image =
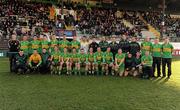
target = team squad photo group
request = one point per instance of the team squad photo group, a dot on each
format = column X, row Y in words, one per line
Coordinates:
column 63, row 57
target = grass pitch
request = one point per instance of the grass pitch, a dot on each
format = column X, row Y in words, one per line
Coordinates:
column 50, row 92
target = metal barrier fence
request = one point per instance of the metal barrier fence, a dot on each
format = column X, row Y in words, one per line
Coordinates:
column 3, row 53
column 176, row 52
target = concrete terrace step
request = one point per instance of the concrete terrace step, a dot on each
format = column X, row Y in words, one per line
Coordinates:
column 4, row 45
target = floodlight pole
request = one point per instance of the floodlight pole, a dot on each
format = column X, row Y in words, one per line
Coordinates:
column 62, row 6
column 163, row 18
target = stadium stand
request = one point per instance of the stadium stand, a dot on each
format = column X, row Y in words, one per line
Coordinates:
column 33, row 19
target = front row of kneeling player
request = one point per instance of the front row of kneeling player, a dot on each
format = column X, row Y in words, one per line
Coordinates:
column 99, row 63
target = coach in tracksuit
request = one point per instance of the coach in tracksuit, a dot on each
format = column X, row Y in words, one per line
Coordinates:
column 13, row 45
column 167, row 50
column 124, row 44
column 103, row 44
column 114, row 47
column 156, row 53
column 94, row 45
column 134, row 47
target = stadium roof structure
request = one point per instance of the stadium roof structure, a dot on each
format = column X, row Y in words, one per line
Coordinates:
column 171, row 5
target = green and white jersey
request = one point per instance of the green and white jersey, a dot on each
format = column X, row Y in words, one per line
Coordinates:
column 148, row 60
column 66, row 56
column 167, row 50
column 35, row 44
column 99, row 57
column 63, row 44
column 25, row 46
column 108, row 56
column 90, row 57
column 53, row 43
column 75, row 57
column 45, row 44
column 83, row 58
column 55, row 56
column 119, row 58
column 75, row 44
column 156, row 50
column 146, row 46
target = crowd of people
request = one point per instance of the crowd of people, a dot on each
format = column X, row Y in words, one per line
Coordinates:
column 171, row 25
column 121, row 58
column 103, row 22
column 17, row 14
column 94, row 21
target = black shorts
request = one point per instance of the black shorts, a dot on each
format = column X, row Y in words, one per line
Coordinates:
column 34, row 64
column 83, row 64
column 128, row 68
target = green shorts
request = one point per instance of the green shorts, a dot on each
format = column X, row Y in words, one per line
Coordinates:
column 121, row 68
column 99, row 62
column 55, row 63
column 108, row 62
